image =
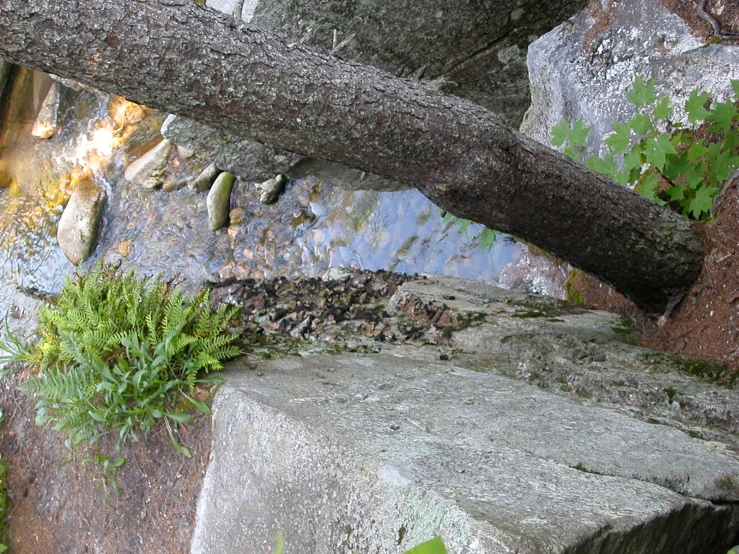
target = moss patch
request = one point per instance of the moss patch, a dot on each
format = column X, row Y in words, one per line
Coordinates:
column 573, row 288
column 706, row 371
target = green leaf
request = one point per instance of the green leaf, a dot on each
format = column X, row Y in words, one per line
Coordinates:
column 676, row 165
column 620, row 139
column 722, row 166
column 434, row 546
column 572, row 153
column 463, row 225
column 211, row 380
column 137, row 377
column 634, row 160
column 679, row 138
column 695, row 106
column 605, row 167
column 560, row 133
column 105, row 386
column 662, row 110
column 487, row 239
column 97, row 416
column 180, row 417
column 280, row 544
column 696, row 175
column 722, row 116
column 675, row 193
column 731, row 140
column 642, row 93
column 642, row 124
column 622, row 178
column 702, row 202
column 648, row 188
column 181, row 450
column 579, row 133
column 696, row 151
column 201, row 406
column 657, row 150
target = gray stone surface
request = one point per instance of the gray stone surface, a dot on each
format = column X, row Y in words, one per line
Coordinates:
column 588, row 356
column 248, row 159
column 205, row 179
column 271, row 189
column 47, row 120
column 150, row 170
column 79, row 224
column 231, row 7
column 378, row 452
column 343, row 176
column 583, row 68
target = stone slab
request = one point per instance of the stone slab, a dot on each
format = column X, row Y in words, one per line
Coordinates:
column 376, row 453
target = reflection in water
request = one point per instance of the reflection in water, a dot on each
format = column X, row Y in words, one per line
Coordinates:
column 312, row 227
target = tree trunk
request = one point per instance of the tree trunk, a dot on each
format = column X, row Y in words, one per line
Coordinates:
column 184, row 58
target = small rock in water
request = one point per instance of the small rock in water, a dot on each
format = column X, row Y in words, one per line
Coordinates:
column 271, row 189
column 170, row 183
column 79, row 223
column 125, row 248
column 237, row 216
column 205, row 180
column 219, row 200
column 184, row 153
column 336, row 274
column 149, row 171
column 48, row 116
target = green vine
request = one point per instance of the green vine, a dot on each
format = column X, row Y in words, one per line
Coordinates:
column 682, row 168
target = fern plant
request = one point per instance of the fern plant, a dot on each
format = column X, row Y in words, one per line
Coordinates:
column 118, row 353
column 682, row 168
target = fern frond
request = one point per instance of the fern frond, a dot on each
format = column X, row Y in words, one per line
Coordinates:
column 114, row 352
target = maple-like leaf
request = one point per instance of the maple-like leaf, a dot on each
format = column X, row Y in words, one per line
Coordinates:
column 620, row 139
column 663, row 110
column 722, row 116
column 657, row 150
column 642, row 93
column 696, row 105
column 702, row 202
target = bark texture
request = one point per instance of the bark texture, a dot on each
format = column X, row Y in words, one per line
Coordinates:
column 185, row 58
column 473, row 49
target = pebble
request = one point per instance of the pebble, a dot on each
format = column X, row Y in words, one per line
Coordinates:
column 218, row 201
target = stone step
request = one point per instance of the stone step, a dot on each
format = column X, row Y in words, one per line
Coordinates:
column 378, row 452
